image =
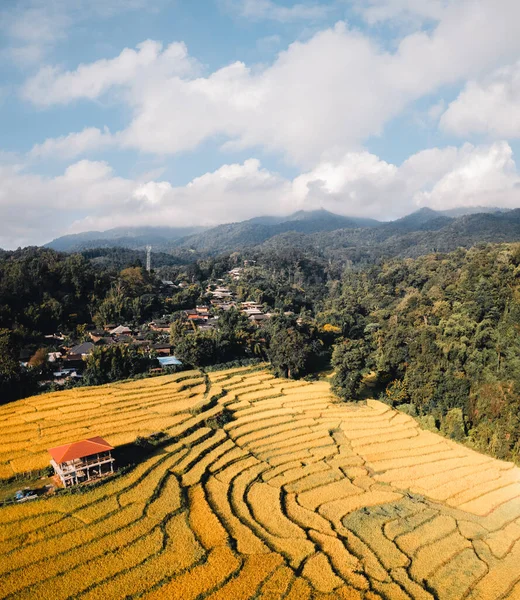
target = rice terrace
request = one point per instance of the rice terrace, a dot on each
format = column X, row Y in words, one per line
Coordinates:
column 261, row 488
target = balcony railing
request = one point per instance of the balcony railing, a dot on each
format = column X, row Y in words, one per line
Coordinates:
column 77, row 465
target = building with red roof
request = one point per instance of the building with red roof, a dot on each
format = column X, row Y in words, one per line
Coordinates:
column 82, row 461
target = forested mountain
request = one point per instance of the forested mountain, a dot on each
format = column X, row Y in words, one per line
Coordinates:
column 235, row 236
column 357, row 239
column 123, row 237
column 210, row 240
column 418, row 234
column 120, row 258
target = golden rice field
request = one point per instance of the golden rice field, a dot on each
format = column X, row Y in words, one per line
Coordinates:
column 296, row 497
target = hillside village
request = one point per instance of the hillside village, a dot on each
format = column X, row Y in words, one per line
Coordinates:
column 69, row 356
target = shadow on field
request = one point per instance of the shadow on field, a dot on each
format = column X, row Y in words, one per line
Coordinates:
column 140, row 449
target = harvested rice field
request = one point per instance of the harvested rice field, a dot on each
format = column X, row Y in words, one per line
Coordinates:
column 296, row 496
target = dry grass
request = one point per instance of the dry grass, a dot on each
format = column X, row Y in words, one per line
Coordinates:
column 296, row 497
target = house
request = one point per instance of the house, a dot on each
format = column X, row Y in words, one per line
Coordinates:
column 120, row 330
column 169, row 361
column 235, row 273
column 96, row 335
column 80, row 352
column 249, row 304
column 123, row 339
column 252, row 311
column 222, row 293
column 208, row 325
column 161, row 325
column 162, row 349
column 223, row 305
column 195, row 316
column 61, row 377
column 258, row 319
column 82, row 461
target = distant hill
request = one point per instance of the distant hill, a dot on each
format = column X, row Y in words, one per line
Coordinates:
column 424, row 219
column 472, row 210
column 420, row 232
column 255, row 231
column 161, row 238
column 216, row 239
column 417, row 234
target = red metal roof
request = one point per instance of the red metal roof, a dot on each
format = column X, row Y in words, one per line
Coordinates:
column 80, row 449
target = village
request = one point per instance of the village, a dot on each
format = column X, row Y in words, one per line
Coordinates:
column 68, row 356
column 80, row 462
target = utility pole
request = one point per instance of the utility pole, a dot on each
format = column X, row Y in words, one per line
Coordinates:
column 148, row 258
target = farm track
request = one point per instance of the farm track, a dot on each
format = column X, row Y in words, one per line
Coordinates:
column 297, row 497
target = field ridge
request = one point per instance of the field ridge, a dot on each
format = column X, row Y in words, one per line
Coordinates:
column 266, row 488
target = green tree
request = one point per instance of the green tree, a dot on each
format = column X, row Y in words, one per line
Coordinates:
column 197, row 349
column 288, row 351
column 12, row 383
column 349, row 361
column 112, row 363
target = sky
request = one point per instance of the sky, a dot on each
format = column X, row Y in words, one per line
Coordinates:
column 121, row 113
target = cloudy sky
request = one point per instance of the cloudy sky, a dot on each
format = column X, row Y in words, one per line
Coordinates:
column 169, row 112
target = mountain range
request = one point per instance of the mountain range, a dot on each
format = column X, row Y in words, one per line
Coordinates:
column 421, row 231
column 122, row 237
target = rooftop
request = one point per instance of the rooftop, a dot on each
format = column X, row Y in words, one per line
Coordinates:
column 79, row 449
column 84, row 348
column 121, row 329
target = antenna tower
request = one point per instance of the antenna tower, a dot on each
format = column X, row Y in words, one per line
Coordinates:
column 148, row 258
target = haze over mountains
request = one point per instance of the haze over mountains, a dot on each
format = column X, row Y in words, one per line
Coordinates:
column 423, row 230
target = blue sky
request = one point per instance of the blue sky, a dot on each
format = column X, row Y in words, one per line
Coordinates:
column 166, row 112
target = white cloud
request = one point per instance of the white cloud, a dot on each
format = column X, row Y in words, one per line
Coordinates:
column 363, row 185
column 44, row 205
column 72, row 145
column 358, row 184
column 318, row 99
column 490, row 106
column 259, row 10
column 33, row 27
column 435, row 111
column 415, row 11
column 479, row 176
column 53, row 86
column 269, row 43
column 231, row 193
column 90, row 196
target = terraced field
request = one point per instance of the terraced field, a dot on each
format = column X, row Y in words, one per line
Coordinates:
column 118, row 411
column 296, row 496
